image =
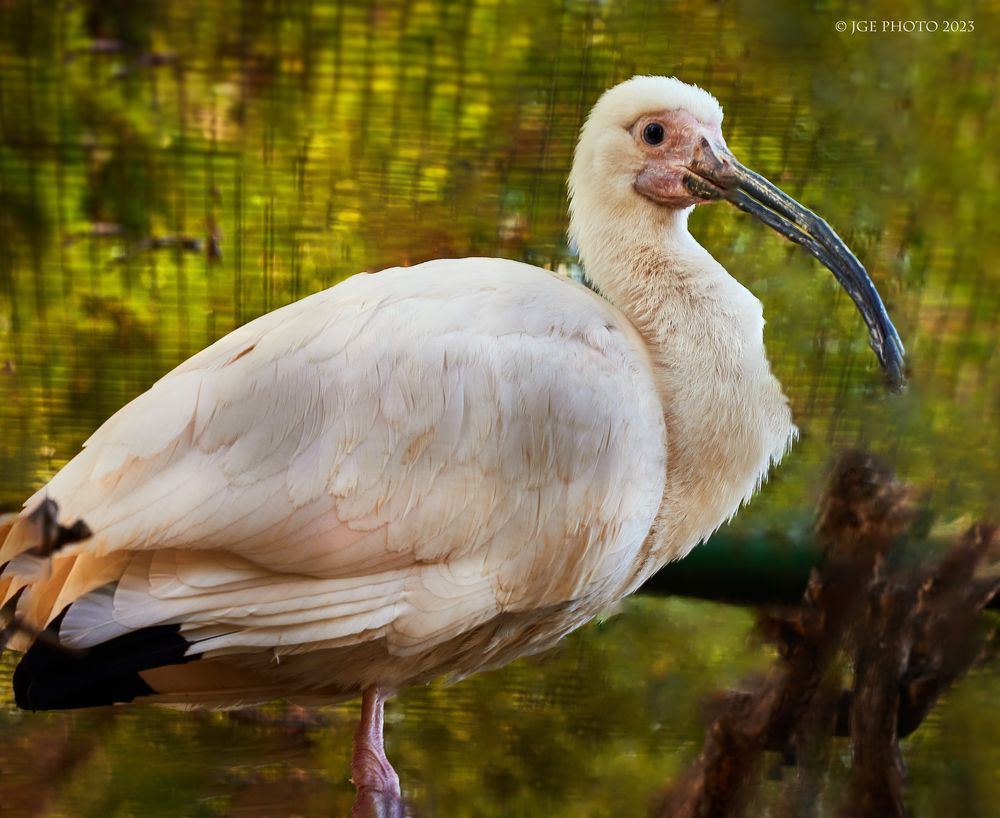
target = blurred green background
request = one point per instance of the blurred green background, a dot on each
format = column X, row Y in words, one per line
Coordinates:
column 170, row 170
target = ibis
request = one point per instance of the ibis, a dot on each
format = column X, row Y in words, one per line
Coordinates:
column 426, row 470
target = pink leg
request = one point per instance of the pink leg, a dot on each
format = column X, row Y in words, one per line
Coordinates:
column 375, row 780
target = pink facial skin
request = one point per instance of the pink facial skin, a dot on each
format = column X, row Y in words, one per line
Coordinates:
column 684, row 143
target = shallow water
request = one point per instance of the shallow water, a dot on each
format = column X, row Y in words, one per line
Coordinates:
column 596, row 728
column 169, row 171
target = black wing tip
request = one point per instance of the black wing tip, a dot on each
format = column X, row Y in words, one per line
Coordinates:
column 50, row 677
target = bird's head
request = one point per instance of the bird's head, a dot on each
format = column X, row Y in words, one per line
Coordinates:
column 652, row 148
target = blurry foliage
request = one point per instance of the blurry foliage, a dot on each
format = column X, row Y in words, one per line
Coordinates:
column 168, row 171
column 171, row 170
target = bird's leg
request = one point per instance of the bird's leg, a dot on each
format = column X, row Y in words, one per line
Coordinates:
column 375, row 780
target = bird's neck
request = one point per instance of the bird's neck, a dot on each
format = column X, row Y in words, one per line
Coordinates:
column 726, row 417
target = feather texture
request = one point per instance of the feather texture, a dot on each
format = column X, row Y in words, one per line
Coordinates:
column 422, row 471
column 397, row 460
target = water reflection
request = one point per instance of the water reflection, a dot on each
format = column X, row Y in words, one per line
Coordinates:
column 169, row 171
column 596, row 728
column 578, row 730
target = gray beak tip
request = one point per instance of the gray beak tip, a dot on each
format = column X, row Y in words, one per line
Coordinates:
column 893, row 360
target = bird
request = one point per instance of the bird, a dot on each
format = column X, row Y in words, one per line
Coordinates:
column 428, row 470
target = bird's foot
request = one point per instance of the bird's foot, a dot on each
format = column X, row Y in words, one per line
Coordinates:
column 369, row 803
column 378, row 794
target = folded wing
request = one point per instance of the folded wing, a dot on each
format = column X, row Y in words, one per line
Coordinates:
column 399, row 459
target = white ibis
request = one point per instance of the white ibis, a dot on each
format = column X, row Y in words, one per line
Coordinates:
column 426, row 470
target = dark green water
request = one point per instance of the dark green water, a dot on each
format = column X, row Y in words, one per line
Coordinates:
column 170, row 170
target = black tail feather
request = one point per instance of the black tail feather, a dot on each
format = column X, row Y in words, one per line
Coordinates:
column 51, row 678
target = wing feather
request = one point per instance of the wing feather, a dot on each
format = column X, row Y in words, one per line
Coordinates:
column 402, row 457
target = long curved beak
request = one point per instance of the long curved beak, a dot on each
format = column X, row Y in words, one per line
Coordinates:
column 715, row 174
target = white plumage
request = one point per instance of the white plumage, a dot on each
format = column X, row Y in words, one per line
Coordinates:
column 426, row 470
column 402, row 457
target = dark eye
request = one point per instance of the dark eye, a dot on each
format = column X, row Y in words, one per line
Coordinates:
column 653, row 133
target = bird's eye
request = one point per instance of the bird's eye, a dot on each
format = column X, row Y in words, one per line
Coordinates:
column 653, row 133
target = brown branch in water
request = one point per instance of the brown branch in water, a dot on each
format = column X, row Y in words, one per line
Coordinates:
column 876, row 784
column 908, row 634
column 862, row 515
column 920, row 634
column 809, row 750
column 947, row 638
